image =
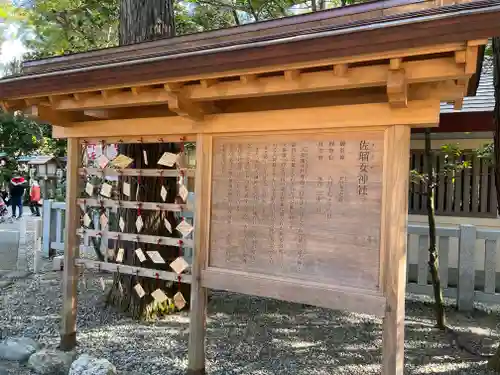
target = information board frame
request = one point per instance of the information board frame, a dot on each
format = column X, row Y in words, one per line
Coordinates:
column 313, row 292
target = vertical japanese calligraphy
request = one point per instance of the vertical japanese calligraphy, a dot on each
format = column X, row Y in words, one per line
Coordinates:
column 303, row 207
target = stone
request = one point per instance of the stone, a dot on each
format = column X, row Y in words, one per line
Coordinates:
column 87, row 365
column 18, row 348
column 51, row 362
column 5, row 283
column 17, row 275
column 58, row 263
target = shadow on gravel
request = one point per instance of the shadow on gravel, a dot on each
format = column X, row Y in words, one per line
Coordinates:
column 263, row 336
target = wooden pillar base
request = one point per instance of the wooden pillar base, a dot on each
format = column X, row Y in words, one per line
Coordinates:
column 196, row 372
column 68, row 342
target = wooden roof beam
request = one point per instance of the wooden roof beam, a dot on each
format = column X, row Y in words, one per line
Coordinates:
column 418, row 113
column 471, row 60
column 462, row 86
column 12, row 105
column 138, row 90
column 292, row 75
column 432, row 70
column 56, row 118
column 82, row 96
column 248, row 78
column 340, row 70
column 106, row 94
column 206, row 83
column 178, row 103
column 37, row 101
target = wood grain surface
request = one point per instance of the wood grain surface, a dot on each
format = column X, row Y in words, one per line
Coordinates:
column 300, row 206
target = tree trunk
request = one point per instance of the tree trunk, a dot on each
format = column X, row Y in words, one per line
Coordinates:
column 143, row 20
column 433, row 254
column 494, row 362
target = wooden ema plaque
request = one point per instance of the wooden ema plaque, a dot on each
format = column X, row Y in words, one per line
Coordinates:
column 303, row 208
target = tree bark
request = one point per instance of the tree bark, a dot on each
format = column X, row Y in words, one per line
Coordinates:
column 494, row 362
column 431, row 218
column 144, row 20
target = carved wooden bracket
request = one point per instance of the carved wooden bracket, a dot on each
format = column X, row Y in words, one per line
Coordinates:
column 182, row 106
column 397, row 87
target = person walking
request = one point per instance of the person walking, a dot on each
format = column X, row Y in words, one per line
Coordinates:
column 35, row 197
column 17, row 187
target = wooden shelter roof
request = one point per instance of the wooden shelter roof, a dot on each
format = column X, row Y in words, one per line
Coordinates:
column 360, row 29
column 396, row 51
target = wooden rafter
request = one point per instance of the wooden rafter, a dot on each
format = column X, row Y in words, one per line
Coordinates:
column 432, row 70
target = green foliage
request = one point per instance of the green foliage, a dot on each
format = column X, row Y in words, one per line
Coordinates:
column 56, row 27
column 20, row 136
column 487, row 152
column 454, row 162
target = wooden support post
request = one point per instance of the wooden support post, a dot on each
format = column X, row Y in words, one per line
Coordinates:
column 70, row 278
column 395, row 201
column 197, row 322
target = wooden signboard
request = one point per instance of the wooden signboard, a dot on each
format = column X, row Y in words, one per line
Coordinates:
column 298, row 209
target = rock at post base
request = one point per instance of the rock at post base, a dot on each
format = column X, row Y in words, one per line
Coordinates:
column 51, row 362
column 87, row 365
column 18, row 348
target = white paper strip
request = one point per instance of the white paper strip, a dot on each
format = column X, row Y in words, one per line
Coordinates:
column 155, row 256
column 89, row 189
column 168, row 159
column 126, row 189
column 106, row 190
column 179, row 265
column 167, row 225
column 159, row 296
column 183, row 192
column 163, row 193
column 139, row 290
column 185, row 228
column 179, row 300
column 119, row 256
column 103, row 221
column 102, row 161
column 139, row 224
column 121, row 223
column 86, row 220
column 145, row 156
column 140, row 255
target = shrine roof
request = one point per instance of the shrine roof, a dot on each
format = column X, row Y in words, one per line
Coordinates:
column 368, row 28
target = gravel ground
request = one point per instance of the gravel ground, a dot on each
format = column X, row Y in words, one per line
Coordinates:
column 246, row 335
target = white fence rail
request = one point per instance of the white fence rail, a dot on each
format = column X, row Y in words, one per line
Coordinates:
column 53, row 227
column 469, row 258
column 469, row 263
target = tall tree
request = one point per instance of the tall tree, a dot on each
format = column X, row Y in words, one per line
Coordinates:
column 144, row 20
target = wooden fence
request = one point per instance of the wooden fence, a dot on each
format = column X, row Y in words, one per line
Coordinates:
column 470, row 192
column 469, row 258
